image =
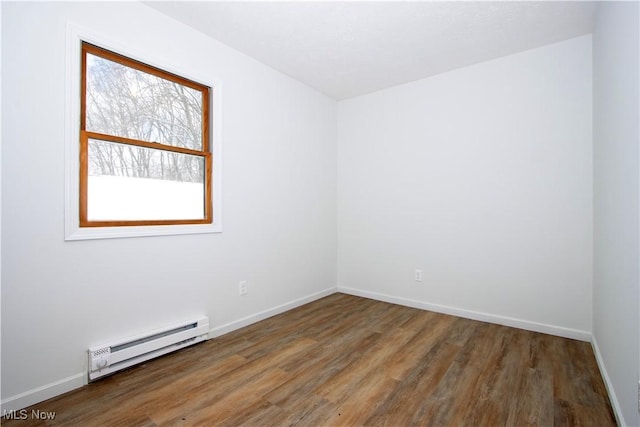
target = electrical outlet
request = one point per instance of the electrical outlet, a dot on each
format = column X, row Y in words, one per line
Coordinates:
column 418, row 276
column 242, row 287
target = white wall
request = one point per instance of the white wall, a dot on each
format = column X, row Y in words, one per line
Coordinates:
column 60, row 297
column 616, row 137
column 482, row 178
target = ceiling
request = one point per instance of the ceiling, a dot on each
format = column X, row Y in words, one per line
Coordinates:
column 346, row 49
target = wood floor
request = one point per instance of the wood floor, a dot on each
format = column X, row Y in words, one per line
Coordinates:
column 345, row 360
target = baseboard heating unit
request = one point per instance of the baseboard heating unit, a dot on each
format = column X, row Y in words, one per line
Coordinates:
column 109, row 358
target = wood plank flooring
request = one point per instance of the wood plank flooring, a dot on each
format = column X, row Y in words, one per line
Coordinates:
column 347, row 361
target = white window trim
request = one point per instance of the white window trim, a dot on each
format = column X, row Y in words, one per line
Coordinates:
column 75, row 36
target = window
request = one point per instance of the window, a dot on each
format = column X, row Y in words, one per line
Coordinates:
column 144, row 153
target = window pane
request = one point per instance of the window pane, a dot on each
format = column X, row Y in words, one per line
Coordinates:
column 128, row 183
column 126, row 102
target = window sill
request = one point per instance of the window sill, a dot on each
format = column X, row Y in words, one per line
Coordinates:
column 93, row 233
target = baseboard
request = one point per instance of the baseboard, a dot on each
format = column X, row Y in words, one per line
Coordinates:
column 31, row 397
column 57, row 388
column 246, row 321
column 474, row 315
column 607, row 383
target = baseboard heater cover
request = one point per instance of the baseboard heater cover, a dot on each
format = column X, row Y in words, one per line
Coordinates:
column 109, row 358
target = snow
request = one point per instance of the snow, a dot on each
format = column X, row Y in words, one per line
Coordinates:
column 112, row 198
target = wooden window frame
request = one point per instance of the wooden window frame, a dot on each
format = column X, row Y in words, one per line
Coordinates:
column 85, row 135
